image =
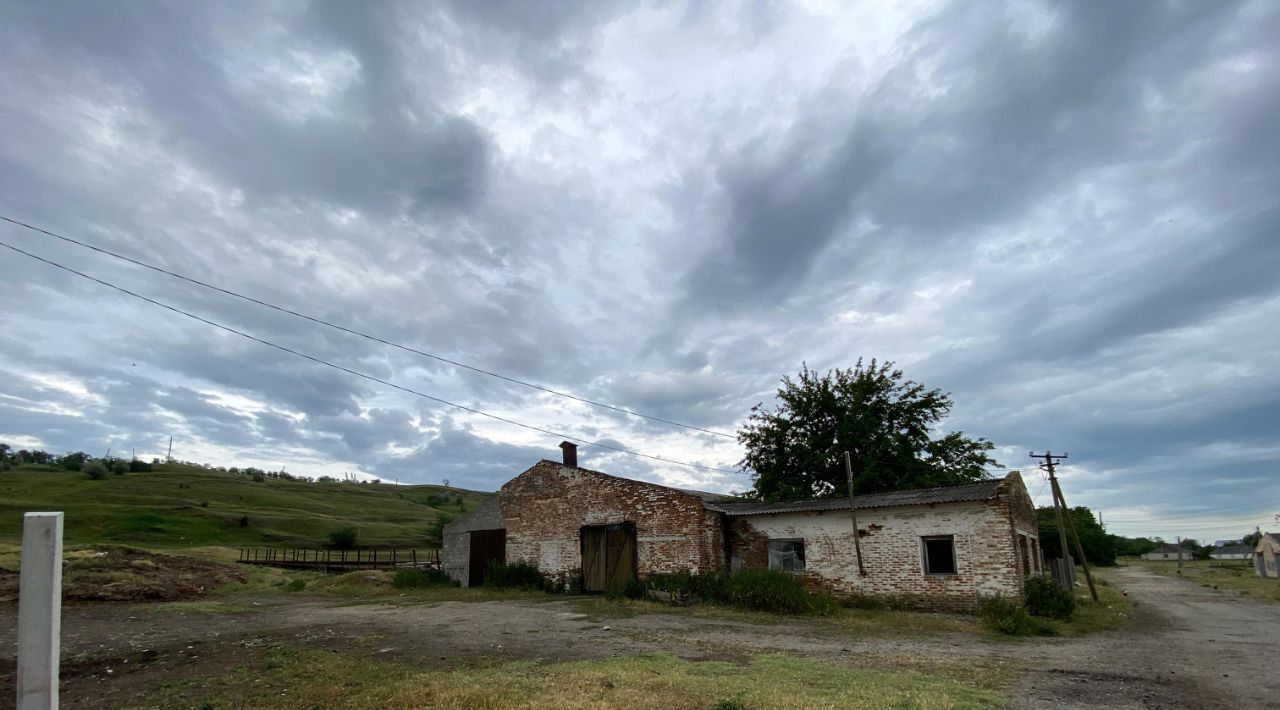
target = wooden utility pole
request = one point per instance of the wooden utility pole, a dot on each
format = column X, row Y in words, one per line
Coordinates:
column 1063, row 513
column 853, row 513
column 1179, row 552
column 168, row 458
column 1071, row 526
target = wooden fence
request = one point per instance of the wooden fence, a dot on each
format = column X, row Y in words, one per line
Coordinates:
column 340, row 560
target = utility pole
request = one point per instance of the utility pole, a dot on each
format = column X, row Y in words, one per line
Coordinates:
column 168, row 458
column 1064, row 513
column 1179, row 539
column 853, row 513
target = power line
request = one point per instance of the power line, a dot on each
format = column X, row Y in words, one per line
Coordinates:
column 357, row 373
column 361, row 334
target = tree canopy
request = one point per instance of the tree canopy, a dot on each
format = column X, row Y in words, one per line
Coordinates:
column 885, row 422
column 1099, row 547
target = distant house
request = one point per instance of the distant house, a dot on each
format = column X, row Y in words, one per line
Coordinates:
column 1168, row 552
column 939, row 548
column 1267, row 555
column 1232, row 552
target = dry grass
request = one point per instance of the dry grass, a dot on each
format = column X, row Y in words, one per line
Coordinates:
column 1231, row 577
column 313, row 679
column 862, row 621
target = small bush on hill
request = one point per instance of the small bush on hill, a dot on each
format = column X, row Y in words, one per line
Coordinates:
column 344, row 539
column 1046, row 598
column 95, row 468
column 419, row 579
column 516, row 575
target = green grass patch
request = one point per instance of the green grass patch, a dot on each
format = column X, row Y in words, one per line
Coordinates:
column 177, row 505
column 310, row 679
column 1112, row 611
column 420, row 579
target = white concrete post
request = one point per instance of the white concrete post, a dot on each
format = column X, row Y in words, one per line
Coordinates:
column 39, row 611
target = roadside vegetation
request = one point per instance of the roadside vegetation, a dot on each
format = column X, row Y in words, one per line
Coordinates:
column 1049, row 610
column 1226, row 576
column 287, row 680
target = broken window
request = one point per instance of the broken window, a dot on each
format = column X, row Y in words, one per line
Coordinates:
column 939, row 554
column 786, row 555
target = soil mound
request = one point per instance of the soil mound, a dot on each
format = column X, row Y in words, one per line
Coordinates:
column 123, row 574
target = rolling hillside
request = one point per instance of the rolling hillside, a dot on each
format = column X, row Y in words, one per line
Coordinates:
column 185, row 506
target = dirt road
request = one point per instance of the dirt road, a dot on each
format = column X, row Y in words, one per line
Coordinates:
column 1188, row 647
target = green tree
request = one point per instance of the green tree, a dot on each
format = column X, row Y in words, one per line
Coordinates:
column 1099, row 547
column 344, row 539
column 1251, row 539
column 435, row 533
column 796, row 450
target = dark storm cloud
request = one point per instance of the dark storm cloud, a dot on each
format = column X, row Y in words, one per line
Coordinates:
column 371, row 156
column 1013, row 119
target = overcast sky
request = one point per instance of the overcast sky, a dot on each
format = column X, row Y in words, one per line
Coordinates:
column 1065, row 214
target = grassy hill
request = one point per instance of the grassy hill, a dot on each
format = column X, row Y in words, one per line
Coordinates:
column 179, row 505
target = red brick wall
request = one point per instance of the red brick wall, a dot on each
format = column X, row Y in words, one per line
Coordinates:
column 546, row 507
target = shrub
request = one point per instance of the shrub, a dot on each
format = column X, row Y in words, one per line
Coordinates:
column 568, row 582
column 136, row 466
column 516, row 575
column 95, row 468
column 344, row 539
column 296, row 585
column 1046, row 598
column 779, row 592
column 1009, row 617
column 634, row 589
column 244, row 521
column 420, row 579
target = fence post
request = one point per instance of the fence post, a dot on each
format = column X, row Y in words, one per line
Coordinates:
column 39, row 611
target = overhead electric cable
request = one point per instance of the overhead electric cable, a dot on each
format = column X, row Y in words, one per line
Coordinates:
column 357, row 333
column 357, row 373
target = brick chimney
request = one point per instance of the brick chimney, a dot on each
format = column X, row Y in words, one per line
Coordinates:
column 570, row 453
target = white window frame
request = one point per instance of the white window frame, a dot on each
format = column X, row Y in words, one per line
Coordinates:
column 804, row 563
column 924, row 555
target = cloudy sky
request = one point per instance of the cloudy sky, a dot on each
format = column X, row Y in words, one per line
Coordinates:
column 1065, row 214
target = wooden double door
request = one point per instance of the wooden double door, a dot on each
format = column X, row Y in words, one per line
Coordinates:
column 608, row 556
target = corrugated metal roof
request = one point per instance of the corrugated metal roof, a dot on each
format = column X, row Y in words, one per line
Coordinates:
column 981, row 490
column 1233, row 550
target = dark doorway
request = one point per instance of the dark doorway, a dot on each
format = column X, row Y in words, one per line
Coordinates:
column 488, row 547
column 608, row 556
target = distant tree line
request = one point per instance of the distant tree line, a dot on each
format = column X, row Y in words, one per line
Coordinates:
column 1102, row 548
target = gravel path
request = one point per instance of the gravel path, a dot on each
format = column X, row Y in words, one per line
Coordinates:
column 1188, row 647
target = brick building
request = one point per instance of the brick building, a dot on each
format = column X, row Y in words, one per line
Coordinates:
column 936, row 548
